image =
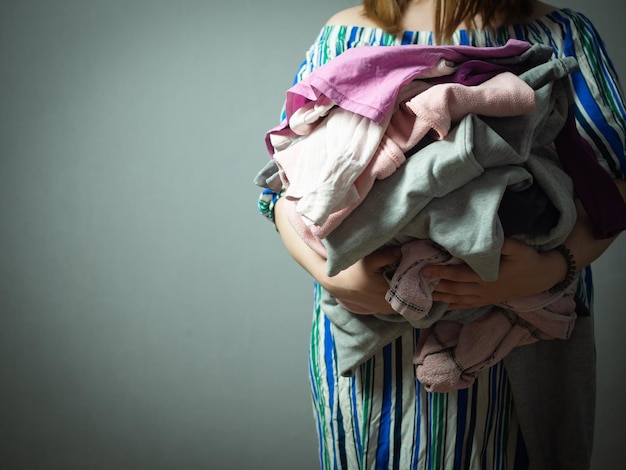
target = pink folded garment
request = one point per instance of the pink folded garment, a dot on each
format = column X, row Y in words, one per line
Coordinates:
column 410, row 293
column 449, row 354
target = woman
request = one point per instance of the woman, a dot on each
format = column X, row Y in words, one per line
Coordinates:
column 535, row 409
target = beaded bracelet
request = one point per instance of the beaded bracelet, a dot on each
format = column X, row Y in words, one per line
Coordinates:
column 571, row 270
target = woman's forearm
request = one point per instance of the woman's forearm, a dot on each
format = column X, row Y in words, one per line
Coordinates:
column 362, row 284
column 311, row 261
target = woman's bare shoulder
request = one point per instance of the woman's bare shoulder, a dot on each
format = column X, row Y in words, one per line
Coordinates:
column 541, row 9
column 351, row 17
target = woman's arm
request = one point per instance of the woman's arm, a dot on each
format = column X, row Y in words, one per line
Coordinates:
column 362, row 284
column 523, row 271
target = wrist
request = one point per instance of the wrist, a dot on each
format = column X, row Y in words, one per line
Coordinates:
column 566, row 270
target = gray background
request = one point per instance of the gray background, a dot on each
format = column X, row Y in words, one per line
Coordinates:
column 149, row 318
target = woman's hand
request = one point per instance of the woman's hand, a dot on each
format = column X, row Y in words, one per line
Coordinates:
column 523, row 271
column 363, row 285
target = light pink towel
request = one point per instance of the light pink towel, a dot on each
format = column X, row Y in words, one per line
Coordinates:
column 450, row 354
column 410, row 293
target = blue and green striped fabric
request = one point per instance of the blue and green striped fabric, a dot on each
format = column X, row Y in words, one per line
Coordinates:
column 381, row 418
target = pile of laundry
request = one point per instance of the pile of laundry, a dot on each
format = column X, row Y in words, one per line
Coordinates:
column 444, row 150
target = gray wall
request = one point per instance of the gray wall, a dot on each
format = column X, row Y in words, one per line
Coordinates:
column 149, row 318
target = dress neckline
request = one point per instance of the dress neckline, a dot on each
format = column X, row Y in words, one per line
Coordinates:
column 498, row 30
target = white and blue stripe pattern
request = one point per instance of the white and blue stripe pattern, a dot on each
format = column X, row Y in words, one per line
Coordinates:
column 381, row 418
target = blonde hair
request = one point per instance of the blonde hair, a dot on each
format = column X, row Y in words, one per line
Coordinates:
column 450, row 14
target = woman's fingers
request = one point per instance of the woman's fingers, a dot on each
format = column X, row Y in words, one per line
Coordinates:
column 455, row 273
column 382, row 258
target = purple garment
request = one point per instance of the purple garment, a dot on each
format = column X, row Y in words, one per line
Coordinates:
column 475, row 72
column 606, row 207
column 367, row 80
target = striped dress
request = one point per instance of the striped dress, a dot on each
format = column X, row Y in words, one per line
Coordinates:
column 381, row 417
